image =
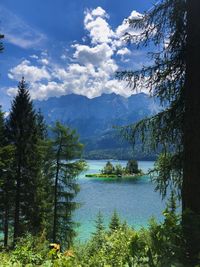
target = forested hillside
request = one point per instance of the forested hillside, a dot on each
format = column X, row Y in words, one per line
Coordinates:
column 95, row 120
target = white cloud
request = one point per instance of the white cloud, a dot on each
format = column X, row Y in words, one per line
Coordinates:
column 43, row 91
column 34, row 57
column 43, row 61
column 123, row 51
column 99, row 12
column 90, row 14
column 90, row 71
column 92, row 55
column 17, row 32
column 12, row 91
column 125, row 27
column 95, row 23
column 31, row 73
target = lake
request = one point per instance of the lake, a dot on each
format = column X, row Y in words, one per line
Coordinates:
column 135, row 201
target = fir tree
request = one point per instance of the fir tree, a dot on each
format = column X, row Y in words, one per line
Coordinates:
column 46, row 176
column 41, row 125
column 132, row 167
column 173, row 26
column 2, row 129
column 99, row 224
column 99, row 235
column 1, row 45
column 65, row 148
column 109, row 168
column 114, row 222
column 22, row 130
column 6, row 182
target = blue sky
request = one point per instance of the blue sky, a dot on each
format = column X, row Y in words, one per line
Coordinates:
column 67, row 46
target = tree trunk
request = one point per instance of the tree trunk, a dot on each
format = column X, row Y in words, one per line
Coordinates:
column 191, row 169
column 17, row 204
column 6, row 220
column 56, row 191
column 55, row 203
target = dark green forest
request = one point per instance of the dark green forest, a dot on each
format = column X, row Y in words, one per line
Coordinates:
column 38, row 173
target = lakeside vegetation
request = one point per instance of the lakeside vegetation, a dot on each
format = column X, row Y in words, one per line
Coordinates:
column 116, row 246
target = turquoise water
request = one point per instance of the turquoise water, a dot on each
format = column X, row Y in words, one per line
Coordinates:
column 135, row 201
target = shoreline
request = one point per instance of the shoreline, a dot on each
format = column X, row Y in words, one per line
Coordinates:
column 113, row 176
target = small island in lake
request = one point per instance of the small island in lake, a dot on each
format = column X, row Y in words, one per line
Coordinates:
column 110, row 171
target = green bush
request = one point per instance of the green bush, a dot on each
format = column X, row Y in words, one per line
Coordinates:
column 159, row 245
column 30, row 250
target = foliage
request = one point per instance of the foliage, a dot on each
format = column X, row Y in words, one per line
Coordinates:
column 119, row 169
column 172, row 77
column 120, row 154
column 30, row 250
column 45, row 186
column 22, row 135
column 98, row 236
column 1, row 45
column 100, row 228
column 132, row 167
column 165, row 79
column 156, row 246
column 108, row 169
column 6, row 181
column 165, row 176
column 37, row 175
column 6, row 191
column 114, row 222
column 101, row 175
column 113, row 171
column 65, row 147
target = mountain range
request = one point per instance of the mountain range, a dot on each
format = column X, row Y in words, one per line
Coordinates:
column 94, row 119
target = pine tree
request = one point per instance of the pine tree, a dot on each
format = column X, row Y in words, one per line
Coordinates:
column 191, row 130
column 163, row 26
column 1, row 45
column 65, row 148
column 173, row 26
column 2, row 129
column 41, row 125
column 46, row 176
column 132, row 167
column 99, row 235
column 22, row 130
column 109, row 168
column 2, row 137
column 99, row 224
column 6, row 182
column 114, row 222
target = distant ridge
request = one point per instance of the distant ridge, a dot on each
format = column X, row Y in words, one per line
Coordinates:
column 94, row 118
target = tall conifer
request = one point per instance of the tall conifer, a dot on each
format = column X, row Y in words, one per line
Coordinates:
column 65, row 148
column 23, row 135
column 173, row 26
column 6, row 182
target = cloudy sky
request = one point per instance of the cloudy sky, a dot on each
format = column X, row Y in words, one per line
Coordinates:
column 67, row 46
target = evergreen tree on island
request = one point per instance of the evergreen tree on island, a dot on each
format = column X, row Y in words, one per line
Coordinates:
column 132, row 167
